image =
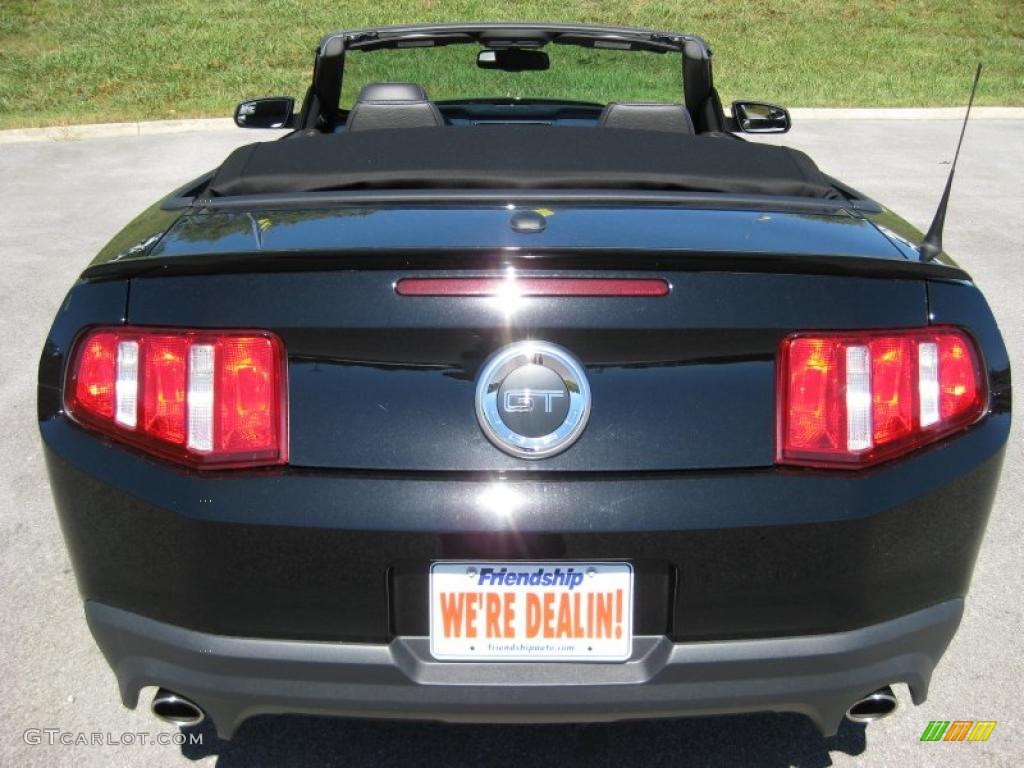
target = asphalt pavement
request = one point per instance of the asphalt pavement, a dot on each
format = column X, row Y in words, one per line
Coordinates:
column 62, row 200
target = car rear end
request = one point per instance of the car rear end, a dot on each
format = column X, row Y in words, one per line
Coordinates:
column 793, row 438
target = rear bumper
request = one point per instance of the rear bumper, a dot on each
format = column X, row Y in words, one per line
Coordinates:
column 304, row 591
column 234, row 678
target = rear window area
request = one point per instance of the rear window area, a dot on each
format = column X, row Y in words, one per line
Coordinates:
column 576, row 74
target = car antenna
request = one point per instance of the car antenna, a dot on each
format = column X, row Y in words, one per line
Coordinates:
column 931, row 246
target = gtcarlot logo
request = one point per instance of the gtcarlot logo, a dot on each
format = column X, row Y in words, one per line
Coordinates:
column 54, row 737
column 958, row 730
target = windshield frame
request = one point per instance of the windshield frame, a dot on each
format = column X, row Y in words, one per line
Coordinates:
column 321, row 109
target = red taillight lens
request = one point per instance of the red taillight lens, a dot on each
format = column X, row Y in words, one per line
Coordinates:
column 893, row 376
column 204, row 398
column 244, row 403
column 164, row 381
column 852, row 399
column 96, row 376
column 812, row 383
column 959, row 385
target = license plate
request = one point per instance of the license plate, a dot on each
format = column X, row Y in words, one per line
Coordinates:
column 531, row 611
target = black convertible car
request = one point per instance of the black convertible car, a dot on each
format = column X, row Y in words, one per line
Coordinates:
column 521, row 410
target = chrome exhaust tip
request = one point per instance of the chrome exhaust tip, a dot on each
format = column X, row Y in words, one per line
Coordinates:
column 175, row 709
column 874, row 706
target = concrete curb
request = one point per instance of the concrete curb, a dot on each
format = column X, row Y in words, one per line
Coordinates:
column 905, row 113
column 153, row 127
column 107, row 130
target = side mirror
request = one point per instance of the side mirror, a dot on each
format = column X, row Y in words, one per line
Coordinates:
column 274, row 112
column 513, row 60
column 758, row 117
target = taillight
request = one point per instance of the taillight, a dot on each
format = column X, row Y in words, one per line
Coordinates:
column 850, row 399
column 203, row 398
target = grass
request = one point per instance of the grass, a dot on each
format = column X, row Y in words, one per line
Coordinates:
column 67, row 62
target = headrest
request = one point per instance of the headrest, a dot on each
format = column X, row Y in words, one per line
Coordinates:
column 392, row 105
column 392, row 92
column 672, row 118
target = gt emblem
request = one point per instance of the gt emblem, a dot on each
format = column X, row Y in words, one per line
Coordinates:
column 532, row 399
column 521, row 400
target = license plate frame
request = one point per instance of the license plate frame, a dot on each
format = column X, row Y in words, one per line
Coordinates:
column 558, row 623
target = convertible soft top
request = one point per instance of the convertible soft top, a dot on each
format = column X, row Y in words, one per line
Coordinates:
column 527, row 157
